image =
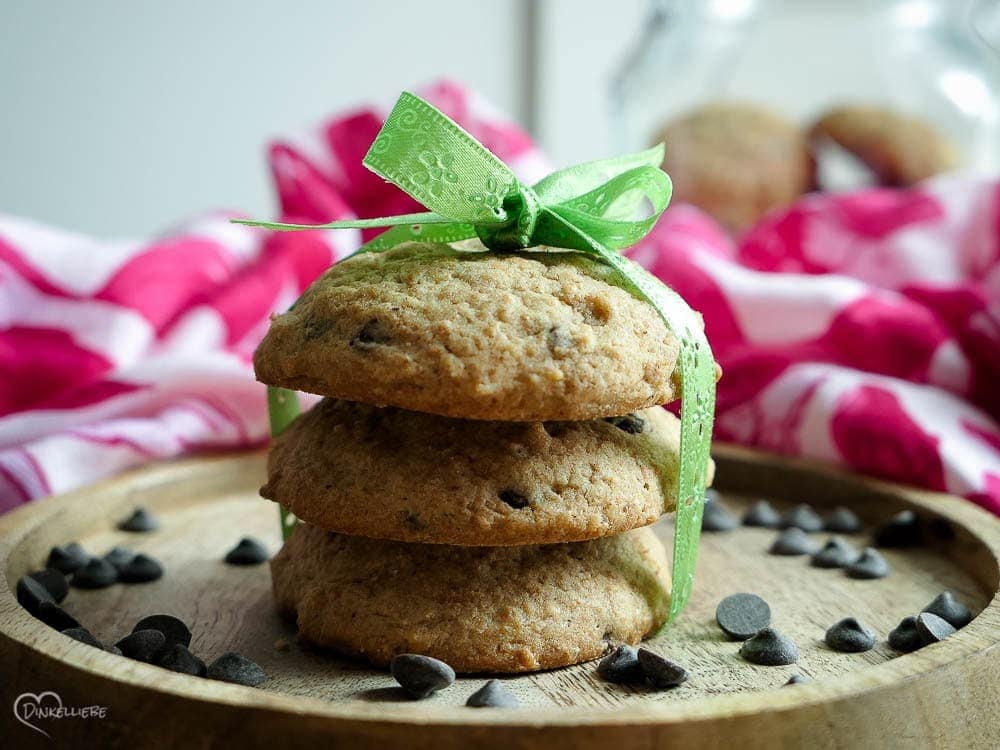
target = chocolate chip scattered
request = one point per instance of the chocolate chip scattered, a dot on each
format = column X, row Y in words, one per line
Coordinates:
column 904, row 637
column 870, row 565
column 119, row 557
column 932, row 628
column 236, row 668
column 791, row 542
column 421, row 675
column 53, row 581
column 621, row 666
column 98, row 573
column 31, row 593
column 142, row 645
column 836, row 553
column 514, row 499
column 769, row 648
column 742, row 615
column 68, row 559
column 762, row 514
column 716, row 517
column 371, row 334
column 114, row 650
column 797, row 679
column 661, row 672
column 141, row 569
column 842, row 520
column 948, row 608
column 173, row 629
column 56, row 617
column 141, row 520
column 84, row 636
column 850, row 636
column 248, row 552
column 177, row 658
column 803, row 517
column 559, row 341
column 902, row 530
column 633, row 424
column 493, row 695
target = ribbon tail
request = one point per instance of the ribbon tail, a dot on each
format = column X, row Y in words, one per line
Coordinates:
column 425, row 217
column 417, row 233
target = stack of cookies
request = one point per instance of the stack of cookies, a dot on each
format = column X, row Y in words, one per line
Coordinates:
column 476, row 482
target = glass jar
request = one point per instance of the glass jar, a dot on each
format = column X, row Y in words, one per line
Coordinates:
column 928, row 59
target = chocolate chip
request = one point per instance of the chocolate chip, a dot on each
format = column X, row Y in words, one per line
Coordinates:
column 661, row 672
column 870, row 565
column 742, row 615
column 716, row 517
column 762, row 514
column 904, row 637
column 177, row 658
column 797, row 679
column 56, row 617
column 621, row 666
column 836, row 553
column 68, row 559
column 371, row 334
column 236, row 668
column 559, row 341
column 803, row 517
column 84, row 636
column 850, row 636
column 142, row 645
column 769, row 648
column 633, row 424
column 141, row 569
column 173, row 629
column 948, row 608
column 842, row 520
column 141, row 520
column 31, row 593
column 791, row 542
column 514, row 499
column 98, row 573
column 248, row 552
column 493, row 695
column 119, row 557
column 53, row 581
column 421, row 675
column 932, row 628
column 902, row 530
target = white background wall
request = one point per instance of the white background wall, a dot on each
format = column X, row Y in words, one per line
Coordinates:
column 121, row 117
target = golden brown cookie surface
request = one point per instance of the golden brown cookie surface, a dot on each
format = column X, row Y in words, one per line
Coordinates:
column 526, row 337
column 898, row 148
column 480, row 609
column 736, row 161
column 394, row 474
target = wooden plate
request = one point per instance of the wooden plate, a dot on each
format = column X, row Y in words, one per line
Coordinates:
column 945, row 695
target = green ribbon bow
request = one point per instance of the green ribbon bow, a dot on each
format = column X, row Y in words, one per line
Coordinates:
column 590, row 208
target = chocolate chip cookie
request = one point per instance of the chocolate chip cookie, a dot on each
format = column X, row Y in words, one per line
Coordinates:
column 480, row 609
column 450, row 331
column 413, row 477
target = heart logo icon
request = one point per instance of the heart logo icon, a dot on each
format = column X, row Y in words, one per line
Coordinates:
column 28, row 705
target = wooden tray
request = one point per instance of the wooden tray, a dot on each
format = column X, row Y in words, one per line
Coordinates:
column 946, row 695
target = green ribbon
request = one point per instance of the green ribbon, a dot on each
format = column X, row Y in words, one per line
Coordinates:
column 590, row 208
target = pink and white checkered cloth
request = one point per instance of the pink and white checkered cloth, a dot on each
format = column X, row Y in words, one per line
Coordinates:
column 862, row 329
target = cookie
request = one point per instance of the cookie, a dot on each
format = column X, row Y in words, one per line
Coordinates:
column 413, row 477
column 901, row 150
column 428, row 327
column 480, row 609
column 736, row 161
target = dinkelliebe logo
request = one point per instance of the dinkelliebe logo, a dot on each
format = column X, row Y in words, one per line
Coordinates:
column 32, row 708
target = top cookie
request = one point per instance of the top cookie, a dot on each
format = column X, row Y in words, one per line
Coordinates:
column 445, row 330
